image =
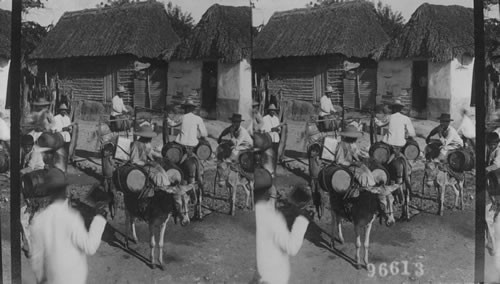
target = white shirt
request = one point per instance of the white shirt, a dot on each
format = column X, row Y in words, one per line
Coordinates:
column 4, row 130
column 190, row 127
column 118, row 106
column 35, row 135
column 467, row 128
column 34, row 159
column 270, row 122
column 275, row 243
column 244, row 141
column 59, row 123
column 61, row 243
column 494, row 159
column 326, row 106
column 397, row 126
column 452, row 139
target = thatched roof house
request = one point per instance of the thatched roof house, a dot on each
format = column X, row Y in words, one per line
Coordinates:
column 94, row 50
column 300, row 51
column 5, row 33
column 429, row 64
column 212, row 67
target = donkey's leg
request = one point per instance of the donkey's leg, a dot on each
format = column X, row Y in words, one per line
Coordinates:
column 441, row 193
column 128, row 224
column 357, row 233
column 161, row 242
column 234, row 187
column 457, row 194
column 152, row 243
column 367, row 239
column 460, row 185
column 134, row 235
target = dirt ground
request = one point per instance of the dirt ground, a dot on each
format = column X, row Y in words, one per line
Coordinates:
column 221, row 248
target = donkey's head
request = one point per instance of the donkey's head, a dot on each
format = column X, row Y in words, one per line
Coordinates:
column 385, row 203
column 182, row 200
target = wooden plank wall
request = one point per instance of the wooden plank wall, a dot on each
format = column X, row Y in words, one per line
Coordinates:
column 125, row 76
column 297, row 85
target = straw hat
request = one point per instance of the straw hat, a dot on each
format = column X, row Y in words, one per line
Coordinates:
column 272, row 107
column 445, row 117
column 63, row 107
column 300, row 195
column 351, row 131
column 145, row 131
column 329, row 89
column 121, row 89
column 236, row 117
column 397, row 103
column 189, row 103
column 41, row 102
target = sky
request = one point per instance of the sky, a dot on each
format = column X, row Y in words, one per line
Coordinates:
column 54, row 9
column 6, row 5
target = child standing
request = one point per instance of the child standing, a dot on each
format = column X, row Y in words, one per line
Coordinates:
column 108, row 167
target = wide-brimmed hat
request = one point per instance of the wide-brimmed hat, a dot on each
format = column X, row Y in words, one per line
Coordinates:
column 351, row 131
column 300, row 195
column 236, row 117
column 445, row 117
column 121, row 89
column 329, row 89
column 492, row 137
column 41, row 102
column 272, row 107
column 145, row 131
column 63, row 107
column 188, row 103
column 397, row 103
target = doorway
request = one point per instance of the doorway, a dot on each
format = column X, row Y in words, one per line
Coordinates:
column 419, row 85
column 209, row 89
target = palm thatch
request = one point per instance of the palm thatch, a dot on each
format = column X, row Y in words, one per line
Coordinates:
column 5, row 33
column 223, row 33
column 141, row 29
column 351, row 29
column 434, row 32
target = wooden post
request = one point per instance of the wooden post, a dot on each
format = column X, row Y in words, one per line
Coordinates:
column 358, row 94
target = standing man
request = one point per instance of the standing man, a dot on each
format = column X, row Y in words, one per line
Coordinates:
column 448, row 136
column 399, row 125
column 257, row 122
column 239, row 136
column 192, row 127
column 119, row 109
column 271, row 124
column 4, row 133
column 60, row 241
column 275, row 243
column 326, row 111
column 62, row 124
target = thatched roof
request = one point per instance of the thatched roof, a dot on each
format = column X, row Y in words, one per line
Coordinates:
column 5, row 33
column 223, row 33
column 349, row 28
column 141, row 29
column 435, row 32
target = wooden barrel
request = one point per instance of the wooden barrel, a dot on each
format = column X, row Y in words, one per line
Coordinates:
column 129, row 178
column 432, row 149
column 246, row 161
column 411, row 150
column 461, row 160
column 380, row 152
column 263, row 179
column 493, row 182
column 51, row 140
column 4, row 161
column 31, row 184
column 335, row 178
column 379, row 172
column 168, row 166
column 173, row 151
column 203, row 150
column 262, row 141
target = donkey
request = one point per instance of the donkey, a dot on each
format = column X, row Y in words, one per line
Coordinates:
column 193, row 174
column 441, row 179
column 156, row 211
column 361, row 211
column 231, row 180
column 400, row 173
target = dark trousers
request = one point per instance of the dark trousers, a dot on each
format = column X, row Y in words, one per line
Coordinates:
column 275, row 149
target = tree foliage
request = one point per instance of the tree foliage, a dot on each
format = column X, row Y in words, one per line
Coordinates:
column 27, row 5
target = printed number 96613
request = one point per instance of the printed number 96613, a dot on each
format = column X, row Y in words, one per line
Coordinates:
column 394, row 268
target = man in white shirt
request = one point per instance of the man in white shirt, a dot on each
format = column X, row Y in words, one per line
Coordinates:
column 326, row 110
column 275, row 243
column 257, row 122
column 399, row 125
column 60, row 241
column 118, row 107
column 271, row 125
column 4, row 134
column 448, row 136
column 467, row 129
column 62, row 124
column 192, row 127
column 239, row 136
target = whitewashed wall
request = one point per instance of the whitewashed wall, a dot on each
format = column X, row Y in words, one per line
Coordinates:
column 4, row 78
column 245, row 106
column 461, row 88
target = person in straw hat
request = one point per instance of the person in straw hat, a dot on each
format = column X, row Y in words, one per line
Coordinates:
column 192, row 128
column 348, row 154
column 239, row 136
column 143, row 155
column 271, row 125
column 62, row 123
column 448, row 136
column 275, row 243
column 398, row 127
column 118, row 110
column 327, row 110
column 60, row 241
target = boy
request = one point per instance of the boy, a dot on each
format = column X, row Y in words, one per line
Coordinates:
column 108, row 167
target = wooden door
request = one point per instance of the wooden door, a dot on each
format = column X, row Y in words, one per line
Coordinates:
column 209, row 87
column 419, row 85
